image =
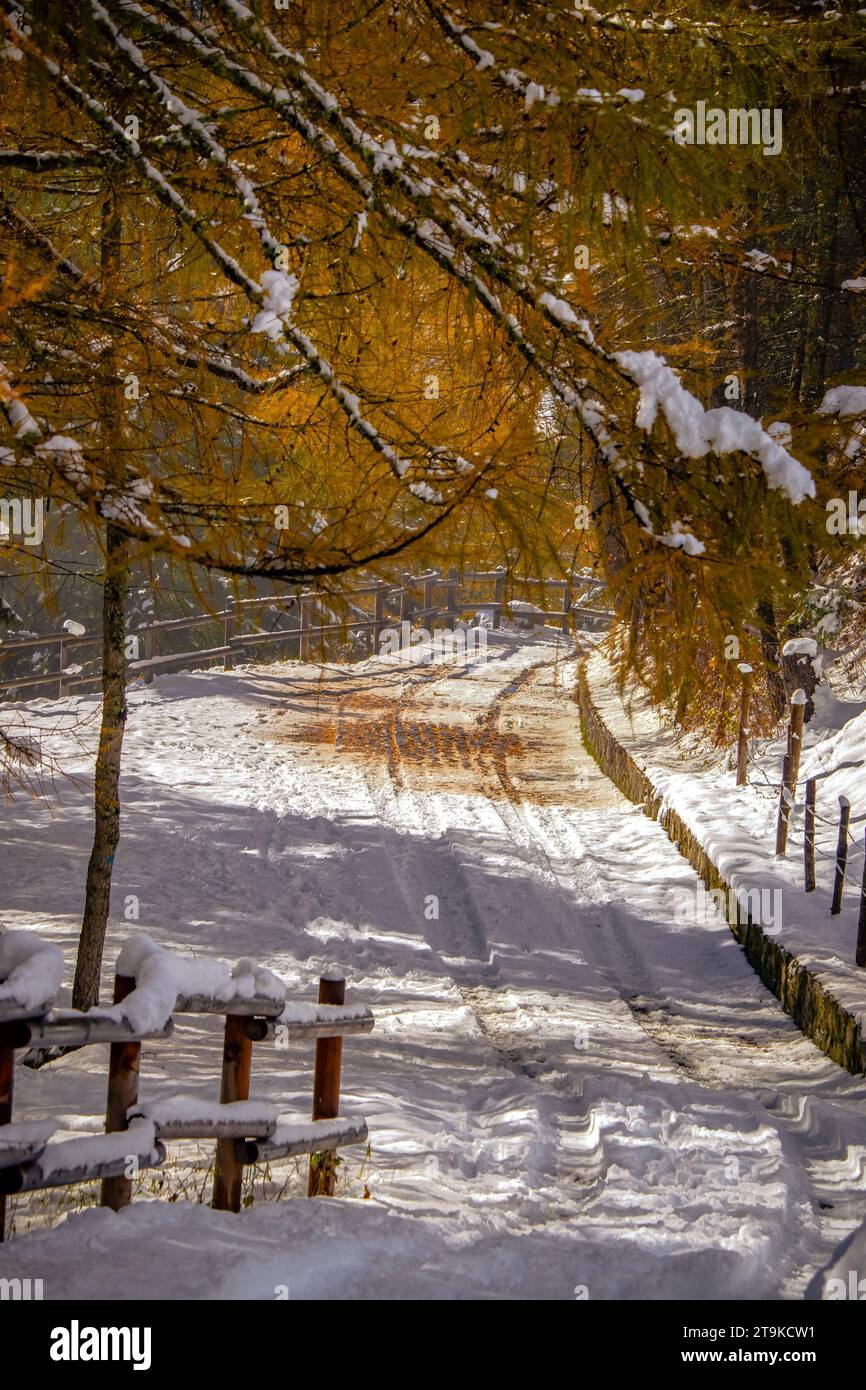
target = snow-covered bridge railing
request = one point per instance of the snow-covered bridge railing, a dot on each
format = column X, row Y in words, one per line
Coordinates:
column 314, row 617
column 151, row 987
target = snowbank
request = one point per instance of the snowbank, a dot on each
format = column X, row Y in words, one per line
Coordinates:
column 802, row 953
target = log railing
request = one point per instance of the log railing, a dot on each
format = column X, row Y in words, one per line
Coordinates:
column 245, row 1132
column 431, row 599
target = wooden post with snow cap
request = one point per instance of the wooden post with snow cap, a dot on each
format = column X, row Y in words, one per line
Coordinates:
column 786, row 801
column 841, row 856
column 124, row 1061
column 795, row 736
column 234, row 1085
column 809, row 838
column 429, row 581
column 790, row 770
column 407, row 607
column 861, row 921
column 326, row 1088
column 7, row 1075
column 743, row 731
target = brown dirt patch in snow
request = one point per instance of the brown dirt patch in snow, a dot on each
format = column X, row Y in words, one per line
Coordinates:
column 524, row 746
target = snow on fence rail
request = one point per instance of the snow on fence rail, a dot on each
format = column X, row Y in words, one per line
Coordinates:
column 152, row 985
column 787, row 802
column 429, row 598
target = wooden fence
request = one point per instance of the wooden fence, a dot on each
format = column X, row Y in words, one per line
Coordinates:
column 431, row 599
column 245, row 1132
column 788, row 801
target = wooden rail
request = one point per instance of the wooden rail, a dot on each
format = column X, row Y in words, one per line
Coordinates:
column 444, row 599
column 245, row 1132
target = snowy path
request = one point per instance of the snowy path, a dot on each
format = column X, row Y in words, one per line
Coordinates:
column 567, row 1089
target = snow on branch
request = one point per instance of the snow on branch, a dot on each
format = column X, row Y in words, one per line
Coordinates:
column 450, row 225
column 435, row 238
column 257, row 293
column 222, row 366
column 31, row 235
column 45, row 161
column 192, row 122
column 720, row 431
column 529, row 90
column 440, row 236
column 844, row 401
column 64, row 455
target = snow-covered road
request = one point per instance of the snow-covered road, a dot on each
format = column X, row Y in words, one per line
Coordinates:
column 570, row 1092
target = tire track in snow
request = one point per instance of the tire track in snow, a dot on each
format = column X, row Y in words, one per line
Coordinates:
column 686, row 1046
column 752, row 1060
column 693, row 1050
column 435, row 859
column 556, row 1098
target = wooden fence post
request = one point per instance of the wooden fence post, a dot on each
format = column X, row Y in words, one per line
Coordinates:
column 148, row 651
column 7, row 1077
column 305, row 619
column 234, row 1085
column 406, row 605
column 293, row 639
column 61, row 668
column 499, row 595
column 229, row 628
column 790, row 770
column 451, row 614
column 786, row 801
column 743, row 730
column 326, row 1089
column 795, row 736
column 809, row 837
column 123, row 1068
column 841, row 856
column 566, row 607
column 378, row 616
column 429, row 581
column 861, row 921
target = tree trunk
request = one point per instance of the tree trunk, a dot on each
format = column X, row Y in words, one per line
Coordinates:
column 745, row 299
column 798, row 673
column 770, row 650
column 106, row 790
column 811, row 377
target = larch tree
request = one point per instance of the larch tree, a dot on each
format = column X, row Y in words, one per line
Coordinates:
column 422, row 270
